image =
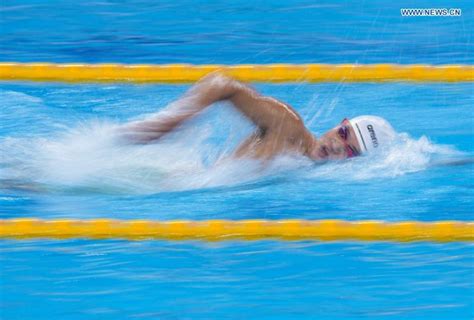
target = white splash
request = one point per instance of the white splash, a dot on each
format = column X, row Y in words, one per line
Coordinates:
column 91, row 158
column 406, row 155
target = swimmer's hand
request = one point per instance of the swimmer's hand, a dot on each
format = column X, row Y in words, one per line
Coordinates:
column 212, row 88
column 458, row 162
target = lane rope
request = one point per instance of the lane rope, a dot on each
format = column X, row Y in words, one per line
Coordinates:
column 187, row 73
column 219, row 230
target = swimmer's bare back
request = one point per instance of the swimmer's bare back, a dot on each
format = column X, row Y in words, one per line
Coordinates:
column 279, row 129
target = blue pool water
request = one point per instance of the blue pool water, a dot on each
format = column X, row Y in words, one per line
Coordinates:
column 59, row 159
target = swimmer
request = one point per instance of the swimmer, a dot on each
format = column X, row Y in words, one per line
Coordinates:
column 279, row 129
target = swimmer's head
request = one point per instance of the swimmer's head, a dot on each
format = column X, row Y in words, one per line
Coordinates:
column 372, row 132
column 354, row 137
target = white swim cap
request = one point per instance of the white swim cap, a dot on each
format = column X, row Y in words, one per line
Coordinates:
column 372, row 132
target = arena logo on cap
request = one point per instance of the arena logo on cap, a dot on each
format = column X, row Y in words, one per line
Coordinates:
column 373, row 136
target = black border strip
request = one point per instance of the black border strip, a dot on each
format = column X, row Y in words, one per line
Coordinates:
column 361, row 136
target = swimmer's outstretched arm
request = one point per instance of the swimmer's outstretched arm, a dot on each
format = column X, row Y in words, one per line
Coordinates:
column 264, row 112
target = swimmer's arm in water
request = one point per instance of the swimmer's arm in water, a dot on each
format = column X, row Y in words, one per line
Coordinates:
column 265, row 112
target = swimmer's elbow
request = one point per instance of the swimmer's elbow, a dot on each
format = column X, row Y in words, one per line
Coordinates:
column 220, row 86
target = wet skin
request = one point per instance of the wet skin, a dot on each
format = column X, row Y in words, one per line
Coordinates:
column 339, row 143
column 279, row 129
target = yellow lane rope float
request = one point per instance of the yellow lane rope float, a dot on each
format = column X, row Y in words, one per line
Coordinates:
column 186, row 73
column 218, row 230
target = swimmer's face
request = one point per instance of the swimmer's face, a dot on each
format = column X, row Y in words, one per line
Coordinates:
column 338, row 143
